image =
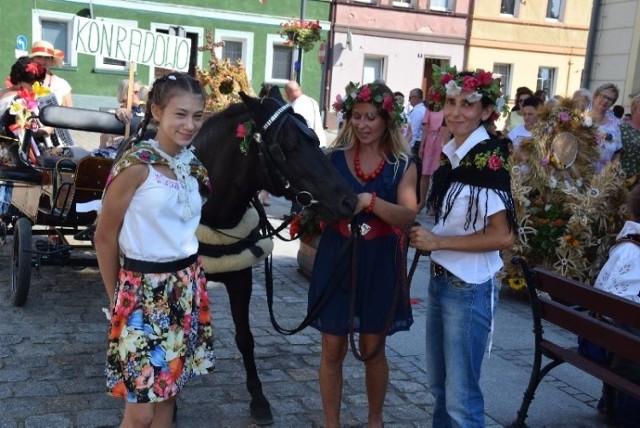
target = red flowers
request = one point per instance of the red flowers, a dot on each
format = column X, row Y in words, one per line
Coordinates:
column 494, row 163
column 241, row 131
column 387, row 103
column 484, row 77
column 446, row 78
column 34, row 68
column 364, row 94
column 337, row 105
column 469, row 83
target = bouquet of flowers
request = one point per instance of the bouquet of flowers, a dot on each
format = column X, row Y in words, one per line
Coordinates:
column 301, row 34
column 306, row 225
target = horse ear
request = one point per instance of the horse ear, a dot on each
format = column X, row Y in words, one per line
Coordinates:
column 274, row 92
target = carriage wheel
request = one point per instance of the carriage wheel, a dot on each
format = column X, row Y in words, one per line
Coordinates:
column 21, row 262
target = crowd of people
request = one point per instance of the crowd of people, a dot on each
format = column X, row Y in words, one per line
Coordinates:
column 442, row 153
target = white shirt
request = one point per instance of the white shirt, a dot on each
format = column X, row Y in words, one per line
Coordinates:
column 308, row 108
column 620, row 275
column 59, row 87
column 517, row 134
column 471, row 267
column 415, row 123
column 153, row 228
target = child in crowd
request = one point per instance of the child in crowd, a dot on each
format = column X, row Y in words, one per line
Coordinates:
column 529, row 113
column 160, row 333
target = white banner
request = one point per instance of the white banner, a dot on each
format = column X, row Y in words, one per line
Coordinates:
column 111, row 40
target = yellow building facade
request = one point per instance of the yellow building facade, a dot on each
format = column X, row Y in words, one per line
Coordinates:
column 539, row 44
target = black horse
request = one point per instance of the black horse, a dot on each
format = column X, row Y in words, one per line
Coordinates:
column 283, row 158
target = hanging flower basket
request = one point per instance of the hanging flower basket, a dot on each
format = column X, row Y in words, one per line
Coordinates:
column 301, row 34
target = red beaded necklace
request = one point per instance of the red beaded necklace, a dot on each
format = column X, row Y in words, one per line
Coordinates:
column 362, row 175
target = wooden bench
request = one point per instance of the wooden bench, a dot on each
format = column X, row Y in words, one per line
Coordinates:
column 566, row 304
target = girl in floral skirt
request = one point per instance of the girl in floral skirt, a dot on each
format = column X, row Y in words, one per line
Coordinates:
column 160, row 333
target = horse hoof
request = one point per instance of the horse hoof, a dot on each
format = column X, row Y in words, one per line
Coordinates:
column 261, row 413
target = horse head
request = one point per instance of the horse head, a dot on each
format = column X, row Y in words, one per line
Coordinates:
column 281, row 155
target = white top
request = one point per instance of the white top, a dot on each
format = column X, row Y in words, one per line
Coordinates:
column 308, row 108
column 415, row 123
column 517, row 134
column 153, row 228
column 620, row 275
column 59, row 87
column 471, row 267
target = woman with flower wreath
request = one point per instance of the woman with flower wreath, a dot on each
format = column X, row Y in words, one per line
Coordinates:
column 373, row 157
column 475, row 219
column 160, row 334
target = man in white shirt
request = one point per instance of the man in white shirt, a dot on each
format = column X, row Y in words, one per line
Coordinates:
column 414, row 133
column 307, row 107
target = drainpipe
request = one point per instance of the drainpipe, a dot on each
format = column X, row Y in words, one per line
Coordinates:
column 470, row 13
column 591, row 41
column 328, row 63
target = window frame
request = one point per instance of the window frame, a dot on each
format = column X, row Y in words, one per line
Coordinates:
column 383, row 65
column 516, row 9
column 247, row 40
column 448, row 8
column 154, row 26
column 276, row 40
column 505, row 83
column 39, row 15
column 563, row 5
column 408, row 4
column 551, row 89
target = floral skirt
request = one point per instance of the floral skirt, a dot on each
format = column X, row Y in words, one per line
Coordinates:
column 160, row 334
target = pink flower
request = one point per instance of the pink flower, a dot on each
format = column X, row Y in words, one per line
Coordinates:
column 145, row 380
column 33, row 68
column 446, row 78
column 241, row 131
column 494, row 162
column 469, row 83
column 164, row 384
column 484, row 77
column 387, row 103
column 365, row 94
column 545, row 160
column 563, row 116
column 126, row 303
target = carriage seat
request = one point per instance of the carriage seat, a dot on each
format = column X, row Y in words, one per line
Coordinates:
column 20, row 173
column 49, row 158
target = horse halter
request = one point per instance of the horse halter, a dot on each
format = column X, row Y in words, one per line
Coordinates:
column 271, row 155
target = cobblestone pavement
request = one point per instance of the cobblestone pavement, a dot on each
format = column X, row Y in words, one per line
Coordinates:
column 52, row 353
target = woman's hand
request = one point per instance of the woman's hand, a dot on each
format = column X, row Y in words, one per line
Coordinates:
column 423, row 239
column 364, row 200
column 123, row 115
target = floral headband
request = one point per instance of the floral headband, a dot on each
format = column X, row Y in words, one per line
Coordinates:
column 365, row 93
column 480, row 84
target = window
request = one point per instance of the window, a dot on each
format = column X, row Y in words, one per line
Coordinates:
column 195, row 34
column 555, row 9
column 373, row 69
column 503, row 71
column 237, row 45
column 441, row 5
column 402, row 3
column 57, row 28
column 509, row 7
column 110, row 64
column 280, row 60
column 547, row 80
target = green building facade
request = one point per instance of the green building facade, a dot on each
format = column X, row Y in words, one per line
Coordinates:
column 249, row 29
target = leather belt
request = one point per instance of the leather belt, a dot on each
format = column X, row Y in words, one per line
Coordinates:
column 439, row 270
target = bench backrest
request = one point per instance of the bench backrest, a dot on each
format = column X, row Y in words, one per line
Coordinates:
column 569, row 302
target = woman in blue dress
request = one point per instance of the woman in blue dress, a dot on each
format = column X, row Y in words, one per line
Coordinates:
column 373, row 157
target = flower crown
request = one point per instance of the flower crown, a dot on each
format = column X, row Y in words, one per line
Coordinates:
column 480, row 83
column 365, row 93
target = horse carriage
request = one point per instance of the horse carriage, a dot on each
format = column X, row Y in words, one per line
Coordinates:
column 43, row 191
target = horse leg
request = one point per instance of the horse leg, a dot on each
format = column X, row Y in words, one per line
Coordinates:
column 239, row 286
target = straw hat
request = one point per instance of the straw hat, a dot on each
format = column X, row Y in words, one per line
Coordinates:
column 42, row 48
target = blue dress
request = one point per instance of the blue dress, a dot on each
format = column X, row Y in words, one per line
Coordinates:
column 379, row 257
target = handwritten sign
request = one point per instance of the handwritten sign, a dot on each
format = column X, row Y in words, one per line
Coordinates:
column 111, row 40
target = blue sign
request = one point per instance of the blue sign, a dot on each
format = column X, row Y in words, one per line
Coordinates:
column 21, row 43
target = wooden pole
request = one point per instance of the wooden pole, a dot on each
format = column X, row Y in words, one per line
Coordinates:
column 132, row 72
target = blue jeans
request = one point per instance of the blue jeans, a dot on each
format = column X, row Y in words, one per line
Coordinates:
column 458, row 324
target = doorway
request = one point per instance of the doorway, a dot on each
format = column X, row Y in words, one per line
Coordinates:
column 427, row 74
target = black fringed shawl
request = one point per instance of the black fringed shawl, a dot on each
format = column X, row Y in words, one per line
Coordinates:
column 483, row 168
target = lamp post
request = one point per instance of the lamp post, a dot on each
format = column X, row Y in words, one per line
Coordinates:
column 297, row 67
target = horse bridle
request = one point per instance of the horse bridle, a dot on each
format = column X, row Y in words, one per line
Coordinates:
column 271, row 156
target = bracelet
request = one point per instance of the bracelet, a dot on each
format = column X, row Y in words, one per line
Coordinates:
column 372, row 204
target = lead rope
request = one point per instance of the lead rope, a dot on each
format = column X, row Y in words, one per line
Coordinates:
column 400, row 286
